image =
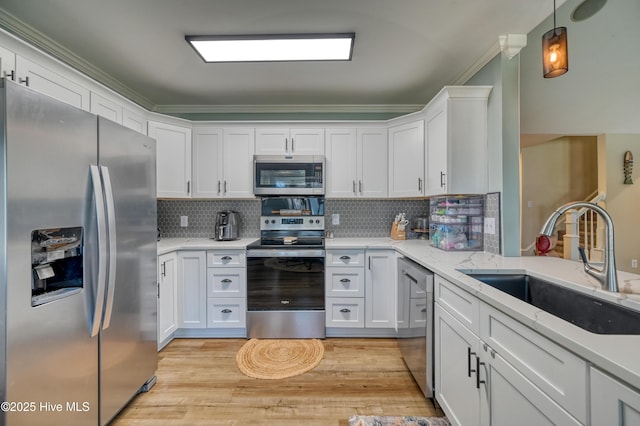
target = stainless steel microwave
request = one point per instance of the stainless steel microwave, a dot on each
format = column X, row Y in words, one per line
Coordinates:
column 288, row 175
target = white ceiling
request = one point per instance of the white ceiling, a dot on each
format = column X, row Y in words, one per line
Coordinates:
column 405, row 50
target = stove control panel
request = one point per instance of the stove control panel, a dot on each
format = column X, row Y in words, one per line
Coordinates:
column 271, row 223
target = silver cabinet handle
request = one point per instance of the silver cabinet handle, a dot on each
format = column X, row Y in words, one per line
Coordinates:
column 11, row 75
column 345, row 280
column 345, row 310
column 226, row 281
column 424, row 310
column 469, row 370
column 354, row 187
column 163, row 269
column 24, row 80
column 419, row 184
column 218, row 187
column 360, row 186
column 478, row 381
column 345, row 258
column 225, row 186
column 188, row 187
column 226, row 258
column 286, row 145
column 226, row 311
column 369, row 262
column 293, row 149
column 442, row 184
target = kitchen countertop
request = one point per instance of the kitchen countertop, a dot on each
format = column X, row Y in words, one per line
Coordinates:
column 617, row 354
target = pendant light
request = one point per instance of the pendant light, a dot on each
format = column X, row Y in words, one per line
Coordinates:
column 555, row 56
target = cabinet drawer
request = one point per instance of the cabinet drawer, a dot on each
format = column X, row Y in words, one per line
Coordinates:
column 344, row 282
column 230, row 312
column 345, row 258
column 226, row 282
column 345, row 312
column 226, row 258
column 557, row 372
column 462, row 305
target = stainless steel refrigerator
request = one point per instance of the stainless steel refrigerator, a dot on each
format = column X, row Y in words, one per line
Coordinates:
column 77, row 262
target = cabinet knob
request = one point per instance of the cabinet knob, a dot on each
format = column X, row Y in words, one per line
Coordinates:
column 345, row 310
column 226, row 311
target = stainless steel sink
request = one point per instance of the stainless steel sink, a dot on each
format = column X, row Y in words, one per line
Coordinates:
column 587, row 312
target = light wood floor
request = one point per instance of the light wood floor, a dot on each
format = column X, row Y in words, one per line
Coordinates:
column 199, row 384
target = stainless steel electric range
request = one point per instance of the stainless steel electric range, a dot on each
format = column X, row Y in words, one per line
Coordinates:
column 285, row 270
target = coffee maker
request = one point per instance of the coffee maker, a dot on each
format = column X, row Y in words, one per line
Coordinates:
column 227, row 226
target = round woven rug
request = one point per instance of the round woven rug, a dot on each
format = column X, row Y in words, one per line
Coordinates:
column 279, row 358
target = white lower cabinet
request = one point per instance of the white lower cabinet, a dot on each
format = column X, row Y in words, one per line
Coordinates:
column 492, row 370
column 613, row 402
column 192, row 289
column 226, row 296
column 167, row 297
column 360, row 289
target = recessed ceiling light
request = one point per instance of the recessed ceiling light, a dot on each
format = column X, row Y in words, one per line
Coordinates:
column 274, row 47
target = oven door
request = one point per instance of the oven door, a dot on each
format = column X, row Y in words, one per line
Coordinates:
column 288, row 175
column 285, row 293
column 280, row 279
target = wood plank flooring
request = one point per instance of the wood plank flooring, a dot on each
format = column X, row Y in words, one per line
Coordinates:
column 200, row 384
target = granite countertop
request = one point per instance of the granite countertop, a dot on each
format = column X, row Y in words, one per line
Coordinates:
column 617, row 354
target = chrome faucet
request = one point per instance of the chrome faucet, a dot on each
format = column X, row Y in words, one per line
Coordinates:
column 608, row 274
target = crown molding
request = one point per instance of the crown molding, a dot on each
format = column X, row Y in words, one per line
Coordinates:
column 483, row 60
column 242, row 109
column 37, row 39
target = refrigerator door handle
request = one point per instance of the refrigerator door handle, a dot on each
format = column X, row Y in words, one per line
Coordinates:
column 96, row 316
column 111, row 227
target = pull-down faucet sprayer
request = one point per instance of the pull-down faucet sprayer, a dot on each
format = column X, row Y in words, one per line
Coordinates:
column 608, row 274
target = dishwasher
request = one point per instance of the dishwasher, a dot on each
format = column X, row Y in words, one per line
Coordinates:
column 415, row 322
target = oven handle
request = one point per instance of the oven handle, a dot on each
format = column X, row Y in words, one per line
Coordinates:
column 285, row 253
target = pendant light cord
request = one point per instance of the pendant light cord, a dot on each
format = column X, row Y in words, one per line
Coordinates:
column 554, row 13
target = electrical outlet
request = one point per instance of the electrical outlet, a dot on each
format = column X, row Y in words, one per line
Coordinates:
column 490, row 225
column 335, row 219
column 634, row 263
column 184, row 221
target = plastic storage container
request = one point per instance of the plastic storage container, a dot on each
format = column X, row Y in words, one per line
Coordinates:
column 457, row 222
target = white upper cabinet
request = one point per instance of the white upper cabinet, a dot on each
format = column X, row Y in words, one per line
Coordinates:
column 406, row 160
column 222, row 162
column 135, row 120
column 356, row 163
column 173, row 159
column 53, row 84
column 289, row 141
column 7, row 63
column 456, row 141
column 106, row 108
column 237, row 162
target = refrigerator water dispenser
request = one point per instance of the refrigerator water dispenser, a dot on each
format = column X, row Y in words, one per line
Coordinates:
column 56, row 264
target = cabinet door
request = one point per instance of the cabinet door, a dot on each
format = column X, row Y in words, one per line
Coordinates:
column 306, row 141
column 134, row 120
column 106, row 108
column 514, row 400
column 612, row 402
column 380, row 289
column 455, row 348
column 272, row 141
column 207, row 154
column 341, row 163
column 7, row 64
column 52, row 84
column 436, row 150
column 192, row 289
column 167, row 296
column 372, row 163
column 173, row 159
column 237, row 163
column 406, row 160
